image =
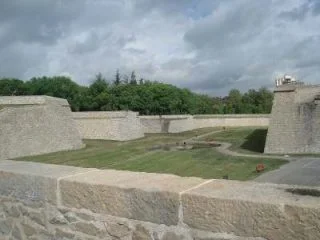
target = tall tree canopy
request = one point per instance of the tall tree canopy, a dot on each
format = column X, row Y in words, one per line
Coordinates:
column 145, row 96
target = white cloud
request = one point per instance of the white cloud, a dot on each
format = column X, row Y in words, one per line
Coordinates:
column 209, row 46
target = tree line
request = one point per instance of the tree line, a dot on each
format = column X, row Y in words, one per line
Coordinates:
column 144, row 96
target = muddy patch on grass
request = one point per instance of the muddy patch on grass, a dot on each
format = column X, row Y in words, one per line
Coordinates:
column 182, row 146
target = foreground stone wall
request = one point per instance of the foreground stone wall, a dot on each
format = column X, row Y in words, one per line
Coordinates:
column 180, row 123
column 31, row 125
column 120, row 126
column 61, row 202
column 295, row 120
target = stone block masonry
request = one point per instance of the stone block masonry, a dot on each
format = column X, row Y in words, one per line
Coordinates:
column 119, row 126
column 39, row 201
column 32, row 125
column 295, row 120
column 181, row 123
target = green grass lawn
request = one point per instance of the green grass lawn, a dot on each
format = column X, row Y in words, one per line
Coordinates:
column 137, row 156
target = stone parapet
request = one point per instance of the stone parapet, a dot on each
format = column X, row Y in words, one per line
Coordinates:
column 101, row 115
column 33, row 125
column 38, row 200
column 32, row 100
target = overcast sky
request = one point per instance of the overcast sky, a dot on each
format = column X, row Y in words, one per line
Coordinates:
column 209, row 46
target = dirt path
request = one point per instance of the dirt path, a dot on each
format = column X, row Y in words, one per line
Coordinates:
column 224, row 147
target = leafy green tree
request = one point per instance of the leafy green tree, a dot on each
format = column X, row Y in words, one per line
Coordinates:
column 125, row 79
column 234, row 101
column 12, row 87
column 147, row 97
column 133, row 80
column 117, row 80
column 99, row 85
column 57, row 86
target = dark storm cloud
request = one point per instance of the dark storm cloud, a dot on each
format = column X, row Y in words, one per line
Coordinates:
column 230, row 25
column 36, row 20
column 209, row 45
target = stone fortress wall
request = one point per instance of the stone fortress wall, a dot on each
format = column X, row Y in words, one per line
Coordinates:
column 31, row 125
column 42, row 201
column 127, row 125
column 180, row 123
column 295, row 120
column 120, row 126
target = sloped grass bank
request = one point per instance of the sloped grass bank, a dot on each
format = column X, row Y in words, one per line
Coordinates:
column 136, row 156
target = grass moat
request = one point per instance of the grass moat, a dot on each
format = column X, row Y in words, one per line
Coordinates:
column 169, row 153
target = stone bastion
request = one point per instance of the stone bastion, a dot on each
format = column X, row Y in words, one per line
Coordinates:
column 295, row 120
column 42, row 201
column 31, row 125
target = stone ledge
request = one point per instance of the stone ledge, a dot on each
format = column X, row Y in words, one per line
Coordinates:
column 33, row 182
column 250, row 209
column 228, row 116
column 31, row 100
column 203, row 116
column 246, row 209
column 141, row 196
column 104, row 115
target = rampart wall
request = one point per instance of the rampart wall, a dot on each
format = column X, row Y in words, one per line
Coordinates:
column 295, row 120
column 39, row 201
column 31, row 125
column 120, row 126
column 180, row 123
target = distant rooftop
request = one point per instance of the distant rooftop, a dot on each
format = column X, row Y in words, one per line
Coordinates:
column 287, row 80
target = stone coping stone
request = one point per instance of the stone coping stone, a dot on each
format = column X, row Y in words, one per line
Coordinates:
column 103, row 115
column 292, row 87
column 260, row 193
column 32, row 100
column 250, row 209
column 33, row 182
column 40, row 169
column 246, row 209
column 205, row 116
column 168, row 117
column 141, row 196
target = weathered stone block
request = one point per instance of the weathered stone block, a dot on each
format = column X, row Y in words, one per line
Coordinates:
column 28, row 229
column 141, row 233
column 71, row 217
column 37, row 217
column 28, row 189
column 252, row 210
column 5, row 228
column 61, row 234
column 118, row 230
column 33, row 183
column 172, row 236
column 31, row 125
column 16, row 233
column 11, row 211
column 87, row 228
column 141, row 196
